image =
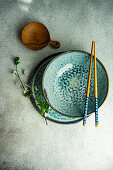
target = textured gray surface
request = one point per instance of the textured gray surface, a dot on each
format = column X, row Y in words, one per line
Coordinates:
column 26, row 143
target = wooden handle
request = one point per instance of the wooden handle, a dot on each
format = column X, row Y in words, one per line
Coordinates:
column 96, row 93
column 89, row 77
column 55, row 44
column 95, row 71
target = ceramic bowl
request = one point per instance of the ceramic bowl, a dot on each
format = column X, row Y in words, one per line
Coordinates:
column 37, row 93
column 64, row 83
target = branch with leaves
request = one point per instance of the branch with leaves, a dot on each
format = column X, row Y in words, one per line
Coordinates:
column 27, row 91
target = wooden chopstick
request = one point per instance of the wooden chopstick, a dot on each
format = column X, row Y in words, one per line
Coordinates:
column 88, row 87
column 96, row 93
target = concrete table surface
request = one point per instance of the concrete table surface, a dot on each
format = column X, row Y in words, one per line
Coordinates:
column 26, row 142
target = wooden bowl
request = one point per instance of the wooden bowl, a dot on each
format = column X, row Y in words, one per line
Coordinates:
column 35, row 36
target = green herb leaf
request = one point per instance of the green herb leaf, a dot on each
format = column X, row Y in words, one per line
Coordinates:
column 27, row 94
column 17, row 60
column 46, row 110
column 44, row 106
column 39, row 102
column 42, row 110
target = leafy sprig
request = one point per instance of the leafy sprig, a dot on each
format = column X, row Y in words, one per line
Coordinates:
column 27, row 91
column 43, row 105
column 17, row 60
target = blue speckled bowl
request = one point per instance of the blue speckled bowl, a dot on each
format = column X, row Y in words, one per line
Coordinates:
column 64, row 83
column 37, row 93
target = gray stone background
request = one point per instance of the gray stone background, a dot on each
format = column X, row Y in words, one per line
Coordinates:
column 26, row 143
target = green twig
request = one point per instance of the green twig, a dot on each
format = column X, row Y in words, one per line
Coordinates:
column 43, row 105
column 20, row 78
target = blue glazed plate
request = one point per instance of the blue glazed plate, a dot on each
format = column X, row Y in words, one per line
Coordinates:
column 65, row 83
column 36, row 88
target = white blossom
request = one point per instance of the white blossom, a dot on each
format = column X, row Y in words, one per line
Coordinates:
column 14, row 73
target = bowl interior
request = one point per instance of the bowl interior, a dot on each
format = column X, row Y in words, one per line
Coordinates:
column 65, row 83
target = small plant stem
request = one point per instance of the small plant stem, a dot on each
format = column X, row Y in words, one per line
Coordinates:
column 43, row 105
column 20, row 78
column 45, row 119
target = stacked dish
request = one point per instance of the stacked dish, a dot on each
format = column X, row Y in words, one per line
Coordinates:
column 61, row 80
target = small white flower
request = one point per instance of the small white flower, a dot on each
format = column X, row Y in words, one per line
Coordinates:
column 14, row 73
column 27, row 86
column 26, row 90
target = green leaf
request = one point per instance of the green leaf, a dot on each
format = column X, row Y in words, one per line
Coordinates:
column 39, row 102
column 47, row 106
column 42, row 111
column 17, row 60
column 46, row 110
column 27, row 94
column 44, row 106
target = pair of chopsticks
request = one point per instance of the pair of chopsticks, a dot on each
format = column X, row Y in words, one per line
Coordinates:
column 88, row 87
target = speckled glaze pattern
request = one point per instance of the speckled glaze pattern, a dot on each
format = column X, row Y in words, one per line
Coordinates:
column 36, row 88
column 65, row 83
column 86, row 109
column 96, row 111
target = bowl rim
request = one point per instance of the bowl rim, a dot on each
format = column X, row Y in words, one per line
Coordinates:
column 44, row 92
